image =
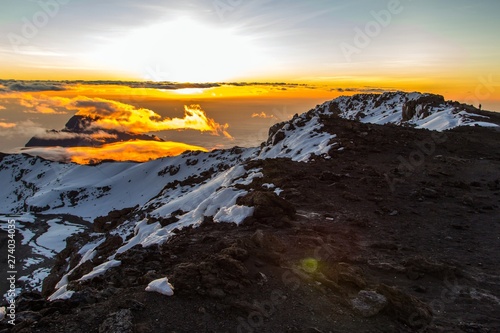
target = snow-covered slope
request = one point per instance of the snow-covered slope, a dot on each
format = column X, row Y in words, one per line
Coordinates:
column 41, row 186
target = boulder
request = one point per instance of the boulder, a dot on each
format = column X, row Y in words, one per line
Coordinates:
column 369, row 303
column 112, row 220
column 405, row 307
column 267, row 204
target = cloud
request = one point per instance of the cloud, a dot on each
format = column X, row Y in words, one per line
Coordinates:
column 24, row 128
column 2, row 107
column 40, row 105
column 365, row 90
column 137, row 151
column 31, row 86
column 263, row 115
column 99, row 136
column 113, row 115
column 7, row 125
column 40, row 86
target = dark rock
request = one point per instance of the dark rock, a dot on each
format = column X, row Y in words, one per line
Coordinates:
column 330, row 176
column 268, row 241
column 111, row 243
column 132, row 304
column 405, row 307
column 28, row 316
column 118, row 322
column 273, row 132
column 236, row 253
column 368, row 303
column 216, row 272
column 112, row 220
column 347, row 275
column 32, row 301
column 430, row 193
column 267, row 204
column 278, row 137
column 420, row 106
column 416, row 267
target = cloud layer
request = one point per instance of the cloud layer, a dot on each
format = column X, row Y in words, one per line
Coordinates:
column 263, row 115
column 7, row 125
column 107, row 118
column 30, row 86
column 26, row 127
column 113, row 115
column 137, row 151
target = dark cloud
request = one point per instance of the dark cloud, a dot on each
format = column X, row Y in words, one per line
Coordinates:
column 31, row 86
column 365, row 90
column 38, row 86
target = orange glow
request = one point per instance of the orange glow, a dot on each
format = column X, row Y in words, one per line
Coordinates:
column 111, row 114
column 115, row 115
column 7, row 125
column 137, row 151
column 244, row 91
column 263, row 115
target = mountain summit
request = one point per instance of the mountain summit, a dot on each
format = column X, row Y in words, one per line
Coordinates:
column 424, row 111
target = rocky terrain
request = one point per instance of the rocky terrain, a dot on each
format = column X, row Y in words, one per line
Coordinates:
column 340, row 225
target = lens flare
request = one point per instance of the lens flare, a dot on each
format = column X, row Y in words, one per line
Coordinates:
column 309, row 265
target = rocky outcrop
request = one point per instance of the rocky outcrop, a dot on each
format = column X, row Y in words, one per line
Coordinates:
column 267, row 205
column 369, row 303
column 405, row 307
column 420, row 107
column 118, row 322
column 112, row 220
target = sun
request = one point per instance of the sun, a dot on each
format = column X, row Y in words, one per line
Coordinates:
column 183, row 50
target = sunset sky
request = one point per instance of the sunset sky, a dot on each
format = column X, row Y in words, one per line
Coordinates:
column 325, row 47
column 444, row 44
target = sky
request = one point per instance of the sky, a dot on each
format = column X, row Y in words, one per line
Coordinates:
column 325, row 47
column 412, row 42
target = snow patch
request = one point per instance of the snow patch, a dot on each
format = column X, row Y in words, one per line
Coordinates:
column 161, row 286
column 61, row 293
column 303, row 138
column 235, row 213
column 100, row 270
